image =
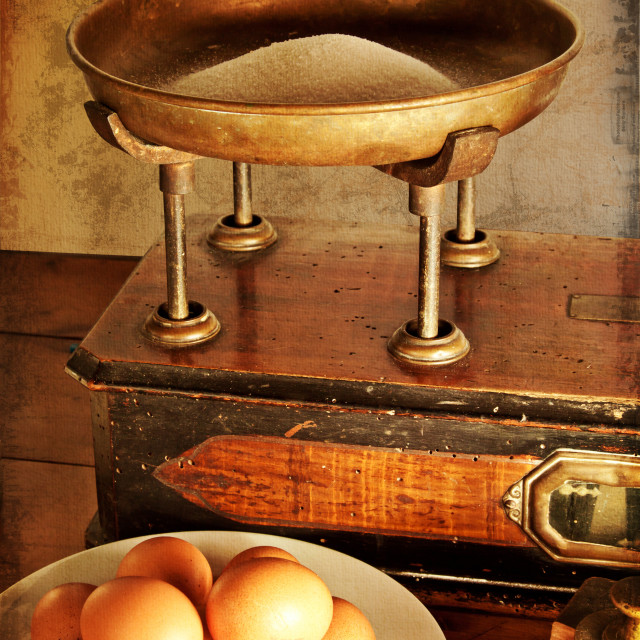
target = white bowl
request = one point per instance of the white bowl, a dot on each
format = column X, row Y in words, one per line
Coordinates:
column 393, row 611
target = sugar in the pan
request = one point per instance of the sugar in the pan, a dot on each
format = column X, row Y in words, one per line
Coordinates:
column 329, row 68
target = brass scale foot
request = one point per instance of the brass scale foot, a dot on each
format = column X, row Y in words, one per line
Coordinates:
column 619, row 621
column 425, row 340
column 430, row 339
column 242, row 231
column 465, row 246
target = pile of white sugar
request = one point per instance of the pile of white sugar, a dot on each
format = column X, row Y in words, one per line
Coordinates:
column 331, row 68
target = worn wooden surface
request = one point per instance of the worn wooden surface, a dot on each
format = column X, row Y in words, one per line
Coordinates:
column 47, row 480
column 302, row 356
column 462, row 625
column 327, row 485
column 46, row 506
column 51, row 294
column 138, row 430
column 319, row 306
column 30, row 365
column 47, row 308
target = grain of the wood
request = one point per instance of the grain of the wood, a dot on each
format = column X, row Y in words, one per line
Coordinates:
column 137, row 431
column 491, row 601
column 268, row 480
column 46, row 507
column 458, row 624
column 45, row 510
column 45, row 414
column 320, row 305
column 57, row 295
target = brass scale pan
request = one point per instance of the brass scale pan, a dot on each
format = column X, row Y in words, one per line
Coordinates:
column 509, row 57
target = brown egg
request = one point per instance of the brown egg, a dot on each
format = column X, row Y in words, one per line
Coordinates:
column 263, row 551
column 202, row 612
column 57, row 614
column 269, row 598
column 348, row 623
column 140, row 608
column 173, row 560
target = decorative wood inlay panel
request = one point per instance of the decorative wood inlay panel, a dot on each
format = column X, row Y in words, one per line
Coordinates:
column 315, row 484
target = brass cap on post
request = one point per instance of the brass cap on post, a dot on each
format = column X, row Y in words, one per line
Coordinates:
column 480, row 252
column 450, row 345
column 242, row 231
column 200, row 325
column 227, row 235
column 620, row 620
column 625, row 595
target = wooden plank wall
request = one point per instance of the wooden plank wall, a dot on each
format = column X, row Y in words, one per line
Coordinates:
column 49, row 302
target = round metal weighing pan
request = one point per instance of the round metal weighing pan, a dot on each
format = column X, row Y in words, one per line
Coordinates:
column 509, row 57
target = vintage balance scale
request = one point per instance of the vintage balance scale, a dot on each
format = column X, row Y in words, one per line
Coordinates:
column 265, row 397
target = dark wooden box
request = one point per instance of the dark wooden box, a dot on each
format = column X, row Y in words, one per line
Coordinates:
column 296, row 420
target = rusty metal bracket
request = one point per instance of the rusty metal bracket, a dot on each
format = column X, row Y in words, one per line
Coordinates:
column 243, row 231
column 110, row 128
column 179, row 321
column 429, row 339
column 464, row 154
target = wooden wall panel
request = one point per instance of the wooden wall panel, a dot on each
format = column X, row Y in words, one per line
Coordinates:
column 45, row 413
column 572, row 170
column 47, row 480
column 57, row 295
column 45, row 509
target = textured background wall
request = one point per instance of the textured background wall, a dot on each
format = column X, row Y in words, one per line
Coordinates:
column 574, row 169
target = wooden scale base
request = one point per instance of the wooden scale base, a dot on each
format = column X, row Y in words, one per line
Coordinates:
column 295, row 419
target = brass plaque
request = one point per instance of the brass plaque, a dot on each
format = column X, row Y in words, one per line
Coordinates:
column 581, row 507
column 606, row 308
